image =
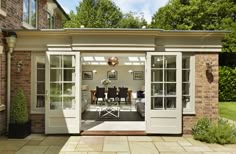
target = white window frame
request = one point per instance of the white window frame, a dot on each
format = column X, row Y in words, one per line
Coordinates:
column 191, row 109
column 3, row 13
column 29, row 25
column 51, row 23
column 34, row 109
column 2, row 106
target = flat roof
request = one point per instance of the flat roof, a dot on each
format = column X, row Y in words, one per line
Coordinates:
column 120, row 31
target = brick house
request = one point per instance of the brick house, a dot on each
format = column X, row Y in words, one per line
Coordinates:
column 58, row 71
column 23, row 14
column 179, row 70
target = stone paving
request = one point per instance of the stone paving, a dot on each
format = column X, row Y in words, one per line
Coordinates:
column 40, row 144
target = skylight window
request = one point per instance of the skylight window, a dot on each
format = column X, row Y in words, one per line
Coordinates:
column 133, row 59
column 136, row 63
column 127, row 63
column 142, row 58
column 94, row 63
column 103, row 63
column 88, row 59
column 99, row 58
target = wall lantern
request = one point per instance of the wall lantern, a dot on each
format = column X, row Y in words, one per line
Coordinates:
column 19, row 66
column 94, row 71
column 113, row 61
column 209, row 67
column 11, row 42
column 130, row 71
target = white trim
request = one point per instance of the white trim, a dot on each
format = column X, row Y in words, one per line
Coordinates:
column 192, row 50
column 58, row 45
column 59, row 49
column 2, row 107
column 27, row 26
column 115, row 48
column 3, row 13
column 112, row 45
column 35, row 110
column 1, row 49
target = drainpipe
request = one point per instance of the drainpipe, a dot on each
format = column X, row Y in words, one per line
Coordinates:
column 11, row 41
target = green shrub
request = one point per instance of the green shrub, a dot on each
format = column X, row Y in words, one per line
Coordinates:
column 221, row 133
column 19, row 111
column 227, row 83
column 201, row 128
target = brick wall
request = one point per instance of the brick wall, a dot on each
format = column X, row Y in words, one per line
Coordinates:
column 42, row 15
column 38, row 123
column 58, row 22
column 14, row 10
column 206, row 91
column 23, row 80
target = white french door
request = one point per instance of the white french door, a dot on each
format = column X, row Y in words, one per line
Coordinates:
column 62, row 114
column 163, row 89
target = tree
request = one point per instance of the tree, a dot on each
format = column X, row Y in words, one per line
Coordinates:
column 196, row 15
column 95, row 14
column 199, row 15
column 129, row 20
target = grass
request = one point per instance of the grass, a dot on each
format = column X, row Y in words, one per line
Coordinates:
column 228, row 110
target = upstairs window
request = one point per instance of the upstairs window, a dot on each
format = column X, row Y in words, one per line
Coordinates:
column 29, row 12
column 51, row 21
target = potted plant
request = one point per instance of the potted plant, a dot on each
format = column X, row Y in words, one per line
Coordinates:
column 20, row 125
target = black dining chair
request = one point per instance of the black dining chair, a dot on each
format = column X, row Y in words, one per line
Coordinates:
column 123, row 93
column 112, row 93
column 100, row 93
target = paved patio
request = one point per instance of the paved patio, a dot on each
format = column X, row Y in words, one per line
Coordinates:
column 40, row 144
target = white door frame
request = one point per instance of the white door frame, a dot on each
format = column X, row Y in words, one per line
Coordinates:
column 163, row 121
column 63, row 121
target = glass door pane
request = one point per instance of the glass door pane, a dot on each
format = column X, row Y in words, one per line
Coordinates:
column 62, row 82
column 163, row 82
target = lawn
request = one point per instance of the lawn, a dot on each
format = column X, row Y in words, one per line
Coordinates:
column 228, row 110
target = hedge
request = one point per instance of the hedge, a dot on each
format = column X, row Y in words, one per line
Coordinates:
column 227, row 83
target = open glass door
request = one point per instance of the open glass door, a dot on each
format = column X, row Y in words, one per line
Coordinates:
column 163, row 90
column 62, row 114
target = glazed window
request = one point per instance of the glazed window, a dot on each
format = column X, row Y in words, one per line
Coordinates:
column 51, row 21
column 188, row 84
column 38, row 83
column 29, row 12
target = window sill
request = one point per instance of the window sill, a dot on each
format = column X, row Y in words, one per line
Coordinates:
column 2, row 107
column 27, row 26
column 37, row 112
column 3, row 13
column 185, row 113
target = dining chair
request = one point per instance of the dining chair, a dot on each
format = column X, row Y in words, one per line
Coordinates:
column 123, row 93
column 100, row 93
column 112, row 93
